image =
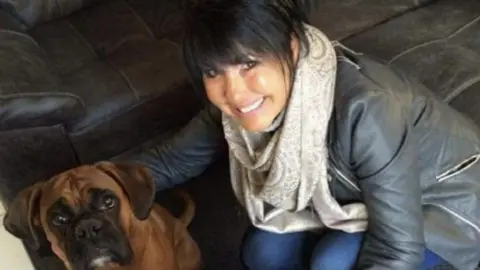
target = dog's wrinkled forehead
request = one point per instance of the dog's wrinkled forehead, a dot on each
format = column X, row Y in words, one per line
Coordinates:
column 74, row 186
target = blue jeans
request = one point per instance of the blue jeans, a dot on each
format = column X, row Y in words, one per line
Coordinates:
column 337, row 250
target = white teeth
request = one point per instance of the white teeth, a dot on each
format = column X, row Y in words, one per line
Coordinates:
column 252, row 106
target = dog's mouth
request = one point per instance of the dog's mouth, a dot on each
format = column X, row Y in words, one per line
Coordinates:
column 104, row 261
column 95, row 258
column 102, row 245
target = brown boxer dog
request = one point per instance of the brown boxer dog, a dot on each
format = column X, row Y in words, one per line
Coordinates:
column 103, row 216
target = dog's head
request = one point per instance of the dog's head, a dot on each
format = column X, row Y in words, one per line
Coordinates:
column 86, row 213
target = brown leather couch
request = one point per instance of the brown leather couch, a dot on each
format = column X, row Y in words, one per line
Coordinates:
column 88, row 80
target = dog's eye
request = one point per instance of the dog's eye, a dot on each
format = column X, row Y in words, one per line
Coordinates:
column 108, row 202
column 60, row 219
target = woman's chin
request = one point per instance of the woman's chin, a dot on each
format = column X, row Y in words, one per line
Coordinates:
column 259, row 124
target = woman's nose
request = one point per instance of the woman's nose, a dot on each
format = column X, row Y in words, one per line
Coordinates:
column 234, row 86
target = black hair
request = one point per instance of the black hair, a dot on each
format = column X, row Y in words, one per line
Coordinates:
column 229, row 31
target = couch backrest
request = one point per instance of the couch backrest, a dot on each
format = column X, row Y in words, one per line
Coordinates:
column 34, row 12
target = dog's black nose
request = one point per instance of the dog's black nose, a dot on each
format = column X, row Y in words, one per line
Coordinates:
column 88, row 228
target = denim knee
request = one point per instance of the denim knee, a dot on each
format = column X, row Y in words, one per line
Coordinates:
column 336, row 250
column 263, row 250
column 339, row 250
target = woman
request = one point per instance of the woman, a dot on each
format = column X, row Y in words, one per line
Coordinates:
column 340, row 161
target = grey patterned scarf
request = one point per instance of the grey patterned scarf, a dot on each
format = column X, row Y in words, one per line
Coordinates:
column 281, row 178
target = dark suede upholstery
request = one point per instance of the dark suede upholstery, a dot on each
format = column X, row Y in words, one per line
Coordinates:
column 88, row 80
column 341, row 19
column 32, row 13
column 439, row 45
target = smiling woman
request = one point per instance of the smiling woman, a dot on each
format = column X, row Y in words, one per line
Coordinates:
column 253, row 93
column 323, row 139
column 245, row 58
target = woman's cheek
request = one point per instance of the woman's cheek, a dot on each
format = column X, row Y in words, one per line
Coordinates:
column 214, row 93
column 220, row 103
column 226, row 109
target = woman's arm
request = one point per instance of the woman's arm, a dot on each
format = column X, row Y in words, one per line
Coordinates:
column 188, row 153
column 383, row 155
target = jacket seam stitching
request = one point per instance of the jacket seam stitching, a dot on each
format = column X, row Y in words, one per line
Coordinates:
column 454, row 212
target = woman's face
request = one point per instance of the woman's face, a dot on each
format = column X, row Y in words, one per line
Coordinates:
column 253, row 92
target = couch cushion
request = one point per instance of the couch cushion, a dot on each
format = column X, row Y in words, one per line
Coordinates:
column 110, row 57
column 123, row 59
column 163, row 18
column 444, row 53
column 113, row 135
column 341, row 19
column 35, row 12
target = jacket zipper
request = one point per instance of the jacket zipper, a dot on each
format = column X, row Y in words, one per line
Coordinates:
column 473, row 225
column 345, row 178
column 459, row 168
column 465, row 220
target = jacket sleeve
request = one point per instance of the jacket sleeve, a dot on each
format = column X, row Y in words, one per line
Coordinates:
column 188, row 153
column 383, row 156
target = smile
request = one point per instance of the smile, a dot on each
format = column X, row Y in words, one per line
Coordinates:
column 252, row 106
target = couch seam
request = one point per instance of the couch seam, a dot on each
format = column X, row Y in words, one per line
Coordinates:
column 136, row 93
column 451, row 35
column 106, row 117
column 119, row 112
column 459, row 90
column 73, row 150
column 41, row 94
column 391, row 18
column 82, row 38
column 124, row 78
column 142, row 21
column 121, row 42
column 58, row 7
column 22, row 35
column 61, row 126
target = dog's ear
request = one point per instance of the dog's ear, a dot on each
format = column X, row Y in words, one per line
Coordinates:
column 22, row 216
column 136, row 182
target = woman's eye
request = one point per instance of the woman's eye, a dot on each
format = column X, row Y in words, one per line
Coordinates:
column 210, row 73
column 108, row 202
column 250, row 64
column 60, row 219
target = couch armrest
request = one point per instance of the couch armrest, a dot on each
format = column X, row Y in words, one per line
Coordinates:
column 31, row 94
column 28, row 110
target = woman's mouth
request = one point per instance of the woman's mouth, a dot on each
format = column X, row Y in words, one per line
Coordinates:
column 253, row 106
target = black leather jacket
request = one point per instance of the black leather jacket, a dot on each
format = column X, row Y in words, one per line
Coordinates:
column 408, row 156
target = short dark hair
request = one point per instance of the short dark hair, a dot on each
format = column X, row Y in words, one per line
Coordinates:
column 225, row 31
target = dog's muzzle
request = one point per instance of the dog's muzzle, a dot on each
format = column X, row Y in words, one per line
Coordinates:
column 95, row 242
